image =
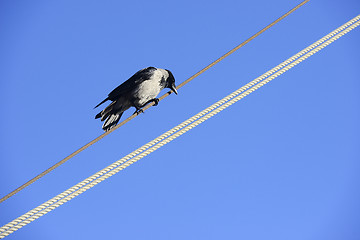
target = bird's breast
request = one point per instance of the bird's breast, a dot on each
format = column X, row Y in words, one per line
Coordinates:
column 148, row 90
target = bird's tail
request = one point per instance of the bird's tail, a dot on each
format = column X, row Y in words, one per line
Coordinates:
column 101, row 102
column 111, row 115
column 111, row 121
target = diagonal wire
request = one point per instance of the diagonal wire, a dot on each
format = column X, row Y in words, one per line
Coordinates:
column 178, row 130
column 146, row 107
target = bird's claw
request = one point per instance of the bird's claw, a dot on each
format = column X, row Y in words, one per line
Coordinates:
column 156, row 101
column 138, row 111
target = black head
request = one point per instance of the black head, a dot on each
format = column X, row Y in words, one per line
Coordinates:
column 170, row 82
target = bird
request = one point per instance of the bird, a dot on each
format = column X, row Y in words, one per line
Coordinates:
column 139, row 90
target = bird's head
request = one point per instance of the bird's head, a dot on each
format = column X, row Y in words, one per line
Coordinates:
column 170, row 82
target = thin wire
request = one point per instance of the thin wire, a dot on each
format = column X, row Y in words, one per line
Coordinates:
column 146, row 107
column 176, row 131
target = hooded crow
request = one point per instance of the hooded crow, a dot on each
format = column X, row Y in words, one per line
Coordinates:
column 139, row 90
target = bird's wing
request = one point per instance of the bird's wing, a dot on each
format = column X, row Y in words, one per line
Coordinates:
column 131, row 83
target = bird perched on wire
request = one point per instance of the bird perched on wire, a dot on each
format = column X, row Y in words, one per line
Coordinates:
column 139, row 90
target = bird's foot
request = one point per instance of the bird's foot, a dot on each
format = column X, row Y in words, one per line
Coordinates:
column 138, row 111
column 155, row 100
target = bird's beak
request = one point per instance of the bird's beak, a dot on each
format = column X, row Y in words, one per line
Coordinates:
column 173, row 88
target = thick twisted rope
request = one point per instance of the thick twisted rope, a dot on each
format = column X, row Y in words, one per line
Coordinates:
column 146, row 107
column 178, row 130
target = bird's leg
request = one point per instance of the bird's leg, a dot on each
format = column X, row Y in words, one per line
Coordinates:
column 138, row 109
column 155, row 100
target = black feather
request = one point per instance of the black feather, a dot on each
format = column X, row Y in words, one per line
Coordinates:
column 112, row 121
column 131, row 83
column 101, row 102
column 98, row 115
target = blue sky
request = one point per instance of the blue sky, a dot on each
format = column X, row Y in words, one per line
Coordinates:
column 282, row 163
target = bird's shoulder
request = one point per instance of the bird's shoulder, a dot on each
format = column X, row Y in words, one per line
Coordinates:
column 139, row 77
